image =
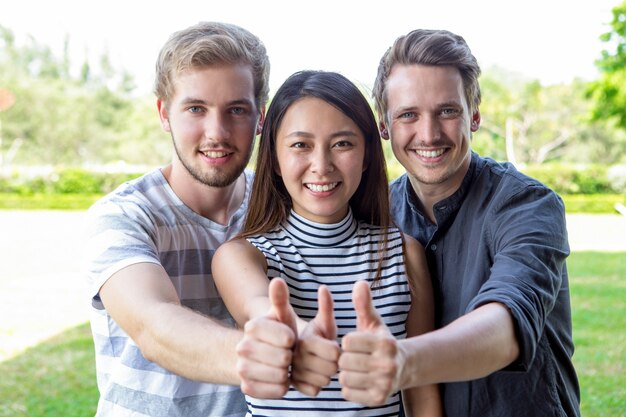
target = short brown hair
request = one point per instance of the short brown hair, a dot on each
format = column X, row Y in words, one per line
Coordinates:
column 429, row 47
column 212, row 43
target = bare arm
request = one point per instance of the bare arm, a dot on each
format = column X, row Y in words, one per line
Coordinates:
column 374, row 365
column 143, row 301
column 473, row 346
column 262, row 308
column 274, row 336
column 240, row 273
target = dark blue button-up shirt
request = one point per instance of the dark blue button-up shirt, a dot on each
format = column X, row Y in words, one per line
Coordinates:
column 501, row 237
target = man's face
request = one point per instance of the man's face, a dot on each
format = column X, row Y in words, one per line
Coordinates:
column 430, row 125
column 213, row 119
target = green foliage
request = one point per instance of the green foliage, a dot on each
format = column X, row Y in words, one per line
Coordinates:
column 609, row 92
column 75, row 181
column 64, row 181
column 41, row 201
column 93, row 116
column 570, row 179
column 592, row 203
column 58, row 118
column 527, row 123
column 588, row 189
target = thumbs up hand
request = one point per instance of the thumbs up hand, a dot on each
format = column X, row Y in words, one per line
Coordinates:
column 317, row 351
column 264, row 354
column 370, row 359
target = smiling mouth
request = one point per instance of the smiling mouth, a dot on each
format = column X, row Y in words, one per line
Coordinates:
column 215, row 154
column 430, row 154
column 319, row 188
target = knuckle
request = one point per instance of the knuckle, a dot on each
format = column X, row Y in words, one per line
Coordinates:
column 242, row 369
column 388, row 367
column 242, row 348
column 377, row 398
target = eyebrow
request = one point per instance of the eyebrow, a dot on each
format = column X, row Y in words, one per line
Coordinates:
column 451, row 103
column 238, row 102
column 340, row 133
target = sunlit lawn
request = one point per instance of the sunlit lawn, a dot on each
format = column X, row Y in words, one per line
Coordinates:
column 598, row 289
column 57, row 378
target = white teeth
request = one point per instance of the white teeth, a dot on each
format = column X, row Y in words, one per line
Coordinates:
column 213, row 154
column 321, row 188
column 430, row 154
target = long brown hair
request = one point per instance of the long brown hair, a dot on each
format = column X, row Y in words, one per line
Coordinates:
column 270, row 203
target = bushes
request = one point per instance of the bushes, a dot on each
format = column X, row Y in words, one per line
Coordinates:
column 592, row 203
column 591, row 189
column 63, row 181
column 571, row 179
column 563, row 178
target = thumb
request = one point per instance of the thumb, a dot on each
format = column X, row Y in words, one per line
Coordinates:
column 280, row 308
column 367, row 318
column 325, row 318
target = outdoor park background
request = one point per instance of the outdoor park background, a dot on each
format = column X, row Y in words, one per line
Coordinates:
column 72, row 127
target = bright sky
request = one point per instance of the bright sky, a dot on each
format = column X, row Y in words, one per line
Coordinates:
column 550, row 40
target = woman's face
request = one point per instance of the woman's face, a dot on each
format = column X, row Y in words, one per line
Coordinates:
column 320, row 154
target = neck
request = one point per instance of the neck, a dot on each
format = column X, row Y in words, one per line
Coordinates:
column 217, row 204
column 430, row 194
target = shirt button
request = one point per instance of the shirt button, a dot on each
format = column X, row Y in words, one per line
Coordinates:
column 433, row 247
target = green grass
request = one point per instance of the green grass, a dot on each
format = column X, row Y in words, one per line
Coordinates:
column 43, row 201
column 598, row 291
column 57, row 378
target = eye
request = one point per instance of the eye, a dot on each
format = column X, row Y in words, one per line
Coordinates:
column 449, row 112
column 406, row 115
column 238, row 110
column 298, row 145
column 342, row 144
column 195, row 109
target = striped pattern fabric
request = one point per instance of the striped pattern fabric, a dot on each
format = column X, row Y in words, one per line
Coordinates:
column 308, row 254
column 144, row 221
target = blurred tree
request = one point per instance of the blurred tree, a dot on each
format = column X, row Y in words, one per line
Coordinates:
column 609, row 92
column 61, row 119
column 527, row 123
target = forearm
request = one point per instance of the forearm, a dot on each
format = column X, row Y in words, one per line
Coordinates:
column 189, row 344
column 422, row 401
column 471, row 347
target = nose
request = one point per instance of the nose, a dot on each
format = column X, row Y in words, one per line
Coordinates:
column 322, row 161
column 216, row 127
column 429, row 130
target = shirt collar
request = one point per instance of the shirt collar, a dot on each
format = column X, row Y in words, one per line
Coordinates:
column 447, row 207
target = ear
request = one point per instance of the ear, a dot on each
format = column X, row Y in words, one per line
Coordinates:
column 163, row 115
column 259, row 125
column 475, row 123
column 384, row 133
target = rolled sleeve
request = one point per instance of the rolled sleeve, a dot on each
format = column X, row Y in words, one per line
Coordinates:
column 529, row 244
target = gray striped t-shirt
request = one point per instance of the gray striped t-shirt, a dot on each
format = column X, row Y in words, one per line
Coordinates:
column 144, row 221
